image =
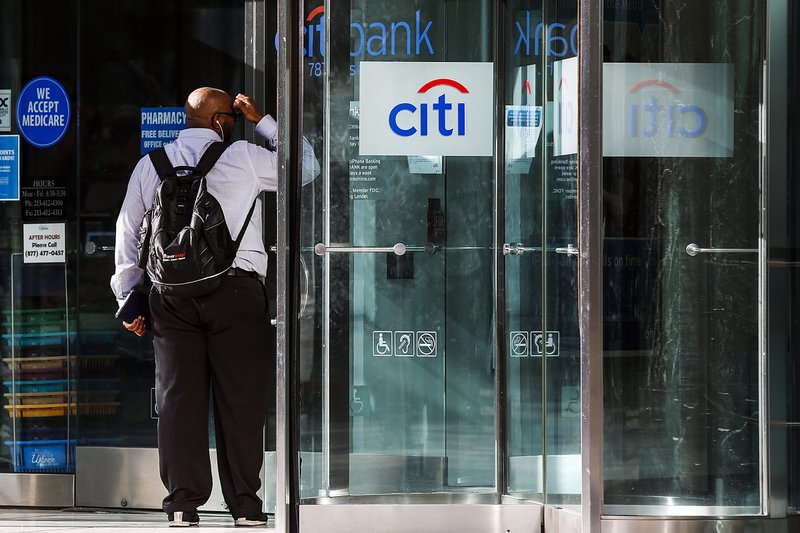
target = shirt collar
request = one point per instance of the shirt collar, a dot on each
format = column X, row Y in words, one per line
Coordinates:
column 199, row 133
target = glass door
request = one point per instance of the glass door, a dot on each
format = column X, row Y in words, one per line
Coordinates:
column 684, row 322
column 410, row 236
column 397, row 346
column 541, row 289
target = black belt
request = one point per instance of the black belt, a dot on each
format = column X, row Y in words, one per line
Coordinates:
column 242, row 273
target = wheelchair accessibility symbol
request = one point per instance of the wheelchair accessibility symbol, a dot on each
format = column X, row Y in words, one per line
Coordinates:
column 404, row 343
column 359, row 400
column 547, row 344
column 382, row 343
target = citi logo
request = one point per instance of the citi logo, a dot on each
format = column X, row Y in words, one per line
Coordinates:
column 663, row 116
column 407, row 119
column 373, row 39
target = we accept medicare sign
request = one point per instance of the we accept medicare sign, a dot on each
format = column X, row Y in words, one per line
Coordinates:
column 43, row 112
column 426, row 108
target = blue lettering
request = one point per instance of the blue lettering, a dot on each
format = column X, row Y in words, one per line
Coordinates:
column 380, row 38
column 424, row 35
column 557, row 39
column 702, row 121
column 321, row 32
column 671, row 121
column 309, row 30
column 573, row 39
column 652, row 108
column 356, row 53
column 376, row 44
column 559, row 44
column 524, row 35
column 405, row 25
column 407, row 132
column 442, row 107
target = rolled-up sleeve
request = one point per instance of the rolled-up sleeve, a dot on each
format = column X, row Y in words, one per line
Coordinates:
column 268, row 129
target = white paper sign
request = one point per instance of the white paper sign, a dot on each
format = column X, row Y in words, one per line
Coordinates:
column 5, row 110
column 667, row 110
column 425, row 164
column 565, row 129
column 44, row 243
column 426, row 108
column 523, row 125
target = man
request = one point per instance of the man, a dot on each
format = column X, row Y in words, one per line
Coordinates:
column 218, row 341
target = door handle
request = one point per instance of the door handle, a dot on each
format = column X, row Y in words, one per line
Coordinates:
column 569, row 250
column 518, row 249
column 692, row 249
column 92, row 248
column 397, row 249
column 430, row 249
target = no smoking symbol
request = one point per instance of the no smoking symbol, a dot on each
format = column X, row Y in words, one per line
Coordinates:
column 426, row 344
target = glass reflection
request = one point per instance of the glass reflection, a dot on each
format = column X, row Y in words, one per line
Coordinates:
column 681, row 332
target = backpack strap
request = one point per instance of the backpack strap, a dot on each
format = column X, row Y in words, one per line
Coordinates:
column 161, row 163
column 246, row 222
column 210, row 156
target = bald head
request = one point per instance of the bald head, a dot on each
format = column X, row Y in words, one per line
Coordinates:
column 203, row 103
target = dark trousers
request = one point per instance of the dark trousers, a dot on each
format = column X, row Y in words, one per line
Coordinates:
column 218, row 342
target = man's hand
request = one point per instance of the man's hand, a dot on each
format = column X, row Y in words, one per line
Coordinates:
column 248, row 107
column 137, row 326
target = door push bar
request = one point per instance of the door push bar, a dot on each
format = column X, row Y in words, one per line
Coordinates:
column 397, row 249
column 519, row 249
column 692, row 249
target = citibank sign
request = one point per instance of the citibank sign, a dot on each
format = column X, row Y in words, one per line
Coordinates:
column 668, row 109
column 426, row 108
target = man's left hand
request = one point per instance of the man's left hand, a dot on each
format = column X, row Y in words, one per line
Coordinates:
column 248, row 108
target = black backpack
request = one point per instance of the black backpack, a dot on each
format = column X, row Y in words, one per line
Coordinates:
column 184, row 241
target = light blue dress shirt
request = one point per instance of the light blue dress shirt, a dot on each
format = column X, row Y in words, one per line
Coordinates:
column 242, row 172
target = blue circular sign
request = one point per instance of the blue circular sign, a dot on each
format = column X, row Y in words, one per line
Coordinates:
column 43, row 112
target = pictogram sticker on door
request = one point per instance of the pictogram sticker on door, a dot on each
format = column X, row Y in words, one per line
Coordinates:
column 382, row 344
column 548, row 343
column 426, row 344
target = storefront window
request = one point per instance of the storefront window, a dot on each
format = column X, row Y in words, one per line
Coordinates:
column 71, row 374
